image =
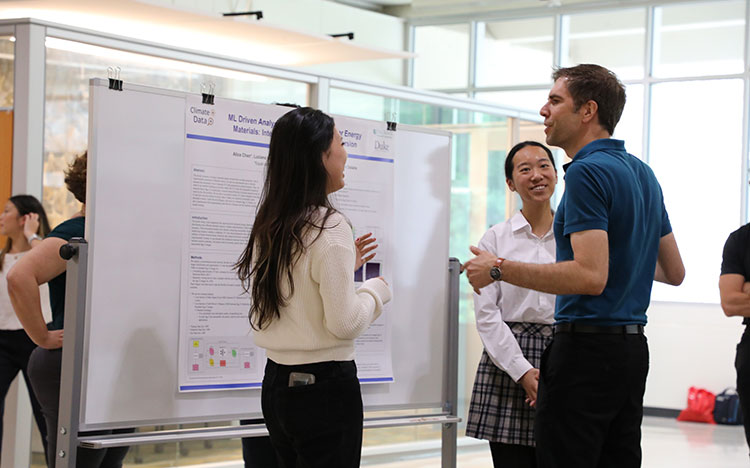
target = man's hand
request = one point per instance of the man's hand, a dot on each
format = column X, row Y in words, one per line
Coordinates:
column 530, row 383
column 746, row 288
column 478, row 268
column 53, row 340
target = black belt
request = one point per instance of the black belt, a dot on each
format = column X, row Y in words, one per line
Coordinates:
column 572, row 327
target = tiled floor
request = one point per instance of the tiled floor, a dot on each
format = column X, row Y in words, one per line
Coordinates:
column 666, row 444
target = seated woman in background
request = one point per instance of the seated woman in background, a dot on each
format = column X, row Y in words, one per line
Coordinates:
column 42, row 265
column 298, row 267
column 24, row 222
column 515, row 324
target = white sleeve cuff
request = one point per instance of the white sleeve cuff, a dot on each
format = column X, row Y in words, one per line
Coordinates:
column 518, row 368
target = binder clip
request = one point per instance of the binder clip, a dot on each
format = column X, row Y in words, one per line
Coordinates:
column 207, row 91
column 115, row 82
column 349, row 35
column 258, row 14
column 391, row 126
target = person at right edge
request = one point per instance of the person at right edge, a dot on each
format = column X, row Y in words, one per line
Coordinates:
column 298, row 267
column 613, row 239
column 734, row 287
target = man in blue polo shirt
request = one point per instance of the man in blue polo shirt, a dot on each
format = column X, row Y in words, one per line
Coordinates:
column 613, row 240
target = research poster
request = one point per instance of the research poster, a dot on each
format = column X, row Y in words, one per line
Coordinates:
column 226, row 147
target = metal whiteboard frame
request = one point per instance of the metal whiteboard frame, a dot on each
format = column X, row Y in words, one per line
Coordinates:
column 69, row 438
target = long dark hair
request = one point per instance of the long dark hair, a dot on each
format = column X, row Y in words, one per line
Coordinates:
column 26, row 204
column 294, row 190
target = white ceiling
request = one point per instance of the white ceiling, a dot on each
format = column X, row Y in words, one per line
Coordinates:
column 242, row 38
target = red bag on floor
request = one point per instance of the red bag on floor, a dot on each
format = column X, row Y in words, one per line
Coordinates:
column 700, row 406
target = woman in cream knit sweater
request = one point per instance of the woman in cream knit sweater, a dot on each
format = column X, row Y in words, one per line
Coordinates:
column 299, row 268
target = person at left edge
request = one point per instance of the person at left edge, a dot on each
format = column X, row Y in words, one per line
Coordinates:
column 24, row 223
column 43, row 264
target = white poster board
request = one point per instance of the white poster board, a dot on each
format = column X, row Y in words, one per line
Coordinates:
column 136, row 228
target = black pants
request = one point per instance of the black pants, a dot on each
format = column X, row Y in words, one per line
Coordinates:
column 742, row 364
column 317, row 425
column 512, row 456
column 590, row 401
column 15, row 349
column 257, row 452
column 44, row 374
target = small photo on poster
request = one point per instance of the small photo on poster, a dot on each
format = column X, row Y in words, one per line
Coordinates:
column 372, row 270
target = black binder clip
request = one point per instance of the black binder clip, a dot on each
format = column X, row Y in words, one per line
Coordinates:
column 207, row 91
column 258, row 14
column 391, row 126
column 349, row 35
column 115, row 82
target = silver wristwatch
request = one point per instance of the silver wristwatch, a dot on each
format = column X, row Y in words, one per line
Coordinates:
column 33, row 237
column 496, row 273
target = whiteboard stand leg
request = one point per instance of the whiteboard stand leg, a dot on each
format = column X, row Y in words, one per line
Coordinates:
column 72, row 358
column 450, row 389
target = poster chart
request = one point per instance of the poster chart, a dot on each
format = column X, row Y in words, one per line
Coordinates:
column 226, row 146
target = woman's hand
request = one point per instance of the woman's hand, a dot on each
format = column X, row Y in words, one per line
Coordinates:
column 530, row 383
column 53, row 340
column 30, row 224
column 364, row 247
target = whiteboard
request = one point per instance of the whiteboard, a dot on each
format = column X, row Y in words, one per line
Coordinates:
column 135, row 197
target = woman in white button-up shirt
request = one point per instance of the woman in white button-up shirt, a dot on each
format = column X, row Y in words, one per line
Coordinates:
column 515, row 324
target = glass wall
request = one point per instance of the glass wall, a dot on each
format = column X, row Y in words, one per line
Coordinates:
column 518, row 52
column 69, row 67
column 698, row 175
column 670, row 120
column 7, row 47
column 442, row 56
column 699, row 39
column 615, row 40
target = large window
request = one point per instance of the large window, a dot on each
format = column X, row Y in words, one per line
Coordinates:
column 685, row 71
column 615, row 40
column 442, row 56
column 697, row 161
column 699, row 39
column 515, row 52
column 6, row 71
column 70, row 65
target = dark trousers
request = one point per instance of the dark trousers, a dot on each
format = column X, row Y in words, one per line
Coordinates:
column 317, row 425
column 590, row 401
column 512, row 456
column 742, row 364
column 15, row 349
column 257, row 452
column 44, row 374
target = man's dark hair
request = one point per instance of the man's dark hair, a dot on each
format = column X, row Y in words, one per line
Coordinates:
column 589, row 82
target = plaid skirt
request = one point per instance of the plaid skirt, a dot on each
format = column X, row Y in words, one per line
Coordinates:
column 498, row 411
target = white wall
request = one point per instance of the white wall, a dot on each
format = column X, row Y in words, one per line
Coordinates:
column 691, row 345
